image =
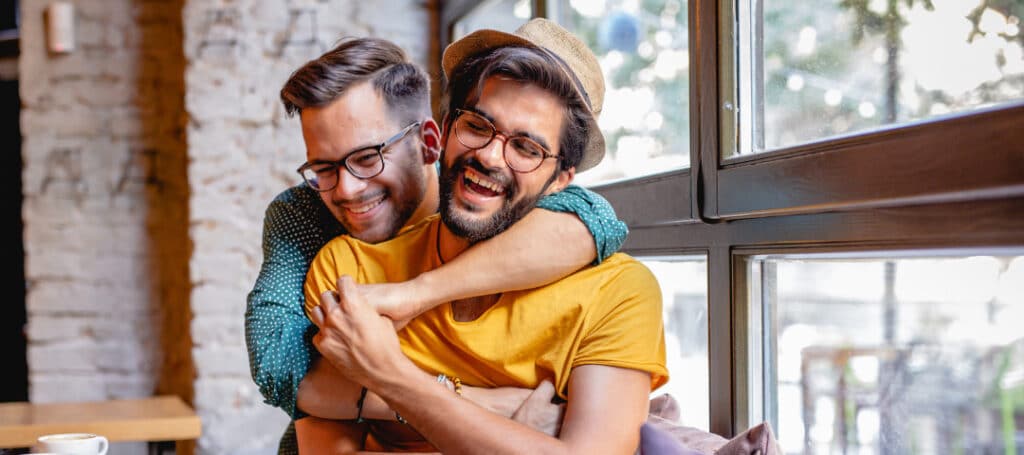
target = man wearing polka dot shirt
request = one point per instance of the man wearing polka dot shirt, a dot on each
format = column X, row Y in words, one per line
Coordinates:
column 371, row 147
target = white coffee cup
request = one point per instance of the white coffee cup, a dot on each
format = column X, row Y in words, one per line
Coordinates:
column 73, row 444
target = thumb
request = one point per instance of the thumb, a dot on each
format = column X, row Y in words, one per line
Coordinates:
column 540, row 396
column 545, row 391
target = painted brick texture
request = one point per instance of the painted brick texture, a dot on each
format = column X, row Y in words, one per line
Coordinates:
column 243, row 150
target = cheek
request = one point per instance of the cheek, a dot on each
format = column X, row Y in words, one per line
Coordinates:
column 325, row 197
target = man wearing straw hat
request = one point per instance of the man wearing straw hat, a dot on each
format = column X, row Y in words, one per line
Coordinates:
column 520, row 120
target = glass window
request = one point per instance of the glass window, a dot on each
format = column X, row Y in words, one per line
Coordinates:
column 812, row 69
column 643, row 49
column 894, row 355
column 504, row 15
column 684, row 283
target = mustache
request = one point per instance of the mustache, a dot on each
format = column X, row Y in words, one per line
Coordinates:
column 493, row 174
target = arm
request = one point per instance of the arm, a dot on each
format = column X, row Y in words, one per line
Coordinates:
column 316, row 435
column 327, row 392
column 275, row 325
column 606, row 408
column 575, row 227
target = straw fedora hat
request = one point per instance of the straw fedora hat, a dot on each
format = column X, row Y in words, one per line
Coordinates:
column 580, row 65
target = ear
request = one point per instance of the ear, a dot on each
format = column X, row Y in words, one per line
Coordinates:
column 444, row 131
column 430, row 136
column 562, row 180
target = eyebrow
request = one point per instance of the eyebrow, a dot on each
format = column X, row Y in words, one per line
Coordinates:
column 527, row 134
column 350, row 152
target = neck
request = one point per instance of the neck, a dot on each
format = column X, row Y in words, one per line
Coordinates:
column 449, row 245
column 431, row 199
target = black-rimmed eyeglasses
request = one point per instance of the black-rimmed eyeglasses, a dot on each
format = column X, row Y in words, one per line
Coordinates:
column 474, row 131
column 364, row 163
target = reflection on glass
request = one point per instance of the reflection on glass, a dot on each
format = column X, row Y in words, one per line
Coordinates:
column 683, row 282
column 504, row 15
column 898, row 355
column 643, row 49
column 822, row 68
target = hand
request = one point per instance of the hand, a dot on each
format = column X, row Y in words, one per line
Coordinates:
column 539, row 413
column 398, row 301
column 353, row 337
column 503, row 401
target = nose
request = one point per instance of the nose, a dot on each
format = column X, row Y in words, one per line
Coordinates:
column 492, row 154
column 349, row 186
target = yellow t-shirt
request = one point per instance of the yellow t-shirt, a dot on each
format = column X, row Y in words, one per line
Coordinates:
column 609, row 314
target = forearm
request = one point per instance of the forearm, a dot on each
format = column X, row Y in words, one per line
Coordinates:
column 541, row 248
column 323, row 436
column 455, row 425
column 328, row 394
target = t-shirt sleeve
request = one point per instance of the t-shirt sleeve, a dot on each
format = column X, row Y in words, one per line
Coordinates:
column 628, row 332
column 596, row 213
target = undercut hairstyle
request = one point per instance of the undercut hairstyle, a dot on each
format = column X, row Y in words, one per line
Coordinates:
column 526, row 65
column 404, row 86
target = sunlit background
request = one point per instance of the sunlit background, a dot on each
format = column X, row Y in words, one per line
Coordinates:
column 838, row 67
column 896, row 355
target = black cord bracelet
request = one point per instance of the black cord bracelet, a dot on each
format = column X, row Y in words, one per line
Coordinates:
column 359, row 406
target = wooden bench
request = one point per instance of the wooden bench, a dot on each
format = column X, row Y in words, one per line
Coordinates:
column 156, row 420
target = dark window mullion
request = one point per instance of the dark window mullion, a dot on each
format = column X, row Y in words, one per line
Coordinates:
column 968, row 157
column 720, row 342
column 704, row 111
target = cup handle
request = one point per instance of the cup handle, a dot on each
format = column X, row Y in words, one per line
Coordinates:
column 104, row 445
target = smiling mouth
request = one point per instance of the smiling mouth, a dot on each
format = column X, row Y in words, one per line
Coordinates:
column 365, row 207
column 481, row 184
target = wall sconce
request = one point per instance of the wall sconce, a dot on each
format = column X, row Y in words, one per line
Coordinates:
column 60, row 27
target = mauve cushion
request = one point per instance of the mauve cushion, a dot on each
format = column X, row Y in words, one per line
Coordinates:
column 757, row 440
column 656, row 441
column 662, row 434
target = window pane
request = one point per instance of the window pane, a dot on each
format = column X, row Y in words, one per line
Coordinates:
column 821, row 68
column 643, row 49
column 683, row 283
column 895, row 355
column 504, row 15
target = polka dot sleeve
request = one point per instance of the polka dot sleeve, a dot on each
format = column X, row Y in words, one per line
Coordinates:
column 609, row 232
column 277, row 331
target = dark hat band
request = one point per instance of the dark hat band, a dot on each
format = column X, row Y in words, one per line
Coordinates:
column 572, row 74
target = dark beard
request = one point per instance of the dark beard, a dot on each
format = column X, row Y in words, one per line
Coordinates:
column 510, row 212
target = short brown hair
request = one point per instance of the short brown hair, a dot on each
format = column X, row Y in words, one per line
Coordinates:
column 404, row 86
column 522, row 64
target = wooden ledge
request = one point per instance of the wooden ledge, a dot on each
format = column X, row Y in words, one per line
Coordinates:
column 163, row 418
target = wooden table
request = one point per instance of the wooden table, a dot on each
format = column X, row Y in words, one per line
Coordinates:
column 155, row 420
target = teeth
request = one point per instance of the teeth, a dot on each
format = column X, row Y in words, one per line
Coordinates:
column 476, row 178
column 365, row 207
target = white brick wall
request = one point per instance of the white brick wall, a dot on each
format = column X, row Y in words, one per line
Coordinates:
column 150, row 154
column 104, row 204
column 243, row 151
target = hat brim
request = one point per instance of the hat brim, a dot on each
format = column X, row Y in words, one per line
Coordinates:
column 485, row 40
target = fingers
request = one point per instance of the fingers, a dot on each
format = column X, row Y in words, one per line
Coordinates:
column 544, row 392
column 317, row 315
column 328, row 300
column 346, row 292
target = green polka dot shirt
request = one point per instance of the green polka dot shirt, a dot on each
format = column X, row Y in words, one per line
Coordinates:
column 296, row 225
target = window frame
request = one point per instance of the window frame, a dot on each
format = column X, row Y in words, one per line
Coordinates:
column 782, row 202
